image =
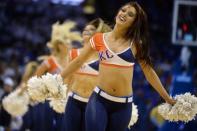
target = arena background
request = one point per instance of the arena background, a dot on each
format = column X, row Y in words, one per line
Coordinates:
column 25, row 28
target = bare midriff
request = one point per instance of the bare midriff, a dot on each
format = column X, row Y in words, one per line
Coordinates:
column 83, row 85
column 115, row 81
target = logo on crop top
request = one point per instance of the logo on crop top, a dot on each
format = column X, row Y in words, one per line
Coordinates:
column 104, row 55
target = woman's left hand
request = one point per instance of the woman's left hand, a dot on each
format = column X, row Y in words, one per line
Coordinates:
column 171, row 101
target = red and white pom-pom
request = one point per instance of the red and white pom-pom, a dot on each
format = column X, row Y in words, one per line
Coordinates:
column 55, row 86
column 185, row 108
column 58, row 105
column 16, row 103
column 134, row 115
column 37, row 89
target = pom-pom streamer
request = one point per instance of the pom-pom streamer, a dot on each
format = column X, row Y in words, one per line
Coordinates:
column 184, row 109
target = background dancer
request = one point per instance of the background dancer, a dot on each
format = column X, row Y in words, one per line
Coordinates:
column 30, row 69
column 61, row 42
column 60, row 45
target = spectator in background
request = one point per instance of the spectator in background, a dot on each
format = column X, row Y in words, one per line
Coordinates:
column 5, row 118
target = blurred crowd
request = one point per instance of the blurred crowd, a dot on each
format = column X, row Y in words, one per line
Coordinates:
column 25, row 28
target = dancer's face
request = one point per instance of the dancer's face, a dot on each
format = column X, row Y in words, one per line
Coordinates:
column 126, row 16
column 62, row 47
column 88, row 31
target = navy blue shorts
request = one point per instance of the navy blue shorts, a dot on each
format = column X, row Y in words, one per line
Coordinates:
column 105, row 115
column 41, row 117
column 74, row 118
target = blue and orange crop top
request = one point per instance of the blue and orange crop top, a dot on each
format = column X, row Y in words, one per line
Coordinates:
column 90, row 68
column 107, row 57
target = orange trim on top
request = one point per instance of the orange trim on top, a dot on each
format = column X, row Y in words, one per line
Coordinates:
column 97, row 42
column 79, row 73
column 53, row 65
column 119, row 66
column 74, row 54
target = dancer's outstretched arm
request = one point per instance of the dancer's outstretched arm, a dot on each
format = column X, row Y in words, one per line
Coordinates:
column 154, row 80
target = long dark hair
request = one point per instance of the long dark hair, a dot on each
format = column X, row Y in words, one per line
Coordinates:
column 138, row 32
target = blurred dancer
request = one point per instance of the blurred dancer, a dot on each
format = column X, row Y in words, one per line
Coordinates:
column 44, row 118
column 5, row 117
column 30, row 69
column 60, row 45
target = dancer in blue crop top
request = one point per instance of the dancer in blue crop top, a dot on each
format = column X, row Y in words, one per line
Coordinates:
column 109, row 107
column 83, row 81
